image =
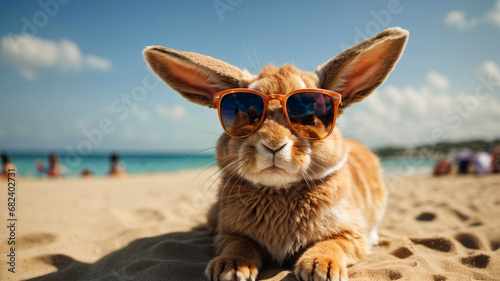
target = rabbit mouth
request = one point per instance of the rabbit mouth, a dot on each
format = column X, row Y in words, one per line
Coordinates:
column 274, row 174
column 274, row 170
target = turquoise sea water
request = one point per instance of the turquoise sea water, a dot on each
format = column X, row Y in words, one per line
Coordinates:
column 151, row 163
column 99, row 164
column 402, row 166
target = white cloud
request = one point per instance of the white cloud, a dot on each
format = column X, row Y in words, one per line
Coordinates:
column 377, row 105
column 457, row 19
column 154, row 137
column 175, row 112
column 98, row 63
column 412, row 116
column 141, row 114
column 438, row 80
column 493, row 16
column 30, row 55
column 129, row 131
column 490, row 70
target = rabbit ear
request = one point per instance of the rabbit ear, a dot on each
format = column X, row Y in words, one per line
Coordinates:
column 196, row 77
column 357, row 71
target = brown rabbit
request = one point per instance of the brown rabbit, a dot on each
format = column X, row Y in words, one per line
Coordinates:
column 283, row 197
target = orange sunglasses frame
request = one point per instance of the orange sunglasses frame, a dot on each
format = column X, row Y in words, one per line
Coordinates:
column 336, row 97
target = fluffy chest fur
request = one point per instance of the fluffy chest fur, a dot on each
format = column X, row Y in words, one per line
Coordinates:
column 286, row 221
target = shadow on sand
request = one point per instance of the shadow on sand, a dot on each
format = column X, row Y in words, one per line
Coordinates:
column 174, row 256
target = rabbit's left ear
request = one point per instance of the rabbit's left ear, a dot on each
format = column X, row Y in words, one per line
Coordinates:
column 196, row 77
column 359, row 70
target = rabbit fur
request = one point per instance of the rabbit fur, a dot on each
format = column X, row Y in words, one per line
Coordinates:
column 319, row 209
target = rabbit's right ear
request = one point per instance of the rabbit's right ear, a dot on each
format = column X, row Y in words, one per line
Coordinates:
column 358, row 70
column 196, row 77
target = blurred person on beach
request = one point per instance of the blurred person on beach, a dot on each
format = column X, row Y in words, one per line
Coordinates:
column 442, row 168
column 54, row 170
column 117, row 168
column 482, row 162
column 87, row 173
column 496, row 159
column 6, row 166
column 463, row 159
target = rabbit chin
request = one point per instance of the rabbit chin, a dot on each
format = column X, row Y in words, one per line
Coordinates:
column 273, row 177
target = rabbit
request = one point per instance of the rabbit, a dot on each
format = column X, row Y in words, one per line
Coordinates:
column 315, row 204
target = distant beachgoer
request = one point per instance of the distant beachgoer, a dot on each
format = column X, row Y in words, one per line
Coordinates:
column 6, row 166
column 496, row 159
column 442, row 167
column 117, row 167
column 87, row 173
column 54, row 170
column 481, row 162
column 463, row 158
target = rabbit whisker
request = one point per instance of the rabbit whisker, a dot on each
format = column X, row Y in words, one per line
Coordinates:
column 218, row 177
column 233, row 173
column 246, row 52
column 312, row 50
column 200, row 151
column 256, row 58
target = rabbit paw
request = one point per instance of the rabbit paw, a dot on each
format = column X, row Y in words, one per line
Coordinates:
column 231, row 268
column 320, row 268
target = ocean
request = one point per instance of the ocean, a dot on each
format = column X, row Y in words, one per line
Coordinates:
column 99, row 164
column 158, row 163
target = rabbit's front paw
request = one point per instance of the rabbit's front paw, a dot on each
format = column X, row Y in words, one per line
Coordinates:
column 231, row 268
column 320, row 268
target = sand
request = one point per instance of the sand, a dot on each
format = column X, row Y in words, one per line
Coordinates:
column 141, row 228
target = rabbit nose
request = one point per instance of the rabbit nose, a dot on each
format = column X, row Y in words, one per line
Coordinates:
column 273, row 151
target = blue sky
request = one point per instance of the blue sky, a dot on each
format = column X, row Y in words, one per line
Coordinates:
column 64, row 68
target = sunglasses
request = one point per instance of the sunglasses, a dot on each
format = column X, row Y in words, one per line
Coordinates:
column 311, row 113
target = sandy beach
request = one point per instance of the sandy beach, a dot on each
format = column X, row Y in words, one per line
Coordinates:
column 141, row 228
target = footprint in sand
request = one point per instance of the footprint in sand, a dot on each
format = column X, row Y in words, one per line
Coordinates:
column 395, row 275
column 495, row 245
column 473, row 207
column 426, row 216
column 149, row 214
column 468, row 240
column 439, row 278
column 402, row 253
column 35, row 239
column 479, row 261
column 59, row 261
column 460, row 215
column 439, row 244
column 384, row 243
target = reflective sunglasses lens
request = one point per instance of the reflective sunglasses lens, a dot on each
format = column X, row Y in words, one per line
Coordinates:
column 311, row 114
column 241, row 112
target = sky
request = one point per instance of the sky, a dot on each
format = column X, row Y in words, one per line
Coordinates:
column 66, row 64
